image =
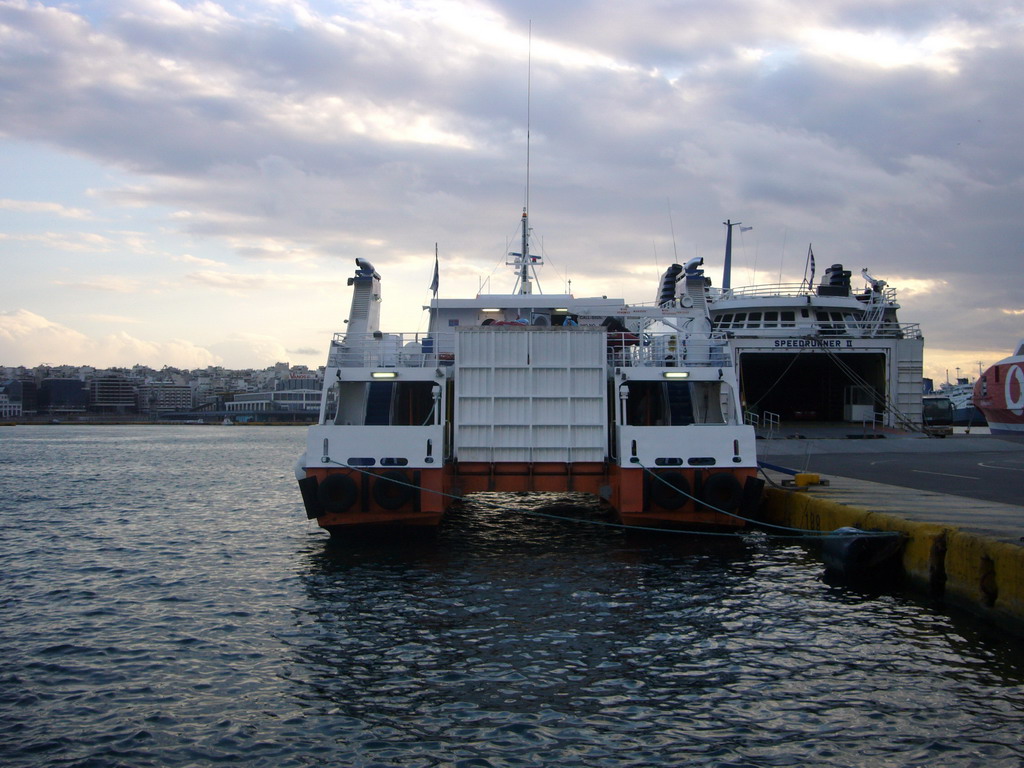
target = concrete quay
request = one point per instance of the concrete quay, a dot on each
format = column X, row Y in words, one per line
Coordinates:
column 967, row 551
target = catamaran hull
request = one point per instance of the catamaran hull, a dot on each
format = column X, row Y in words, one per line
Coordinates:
column 343, row 499
column 347, row 498
column 685, row 498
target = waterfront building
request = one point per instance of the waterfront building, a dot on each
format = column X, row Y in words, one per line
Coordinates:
column 157, row 397
column 295, row 395
column 22, row 393
column 112, row 393
column 63, row 397
column 9, row 409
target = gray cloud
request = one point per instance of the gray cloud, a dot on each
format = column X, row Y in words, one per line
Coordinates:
column 347, row 132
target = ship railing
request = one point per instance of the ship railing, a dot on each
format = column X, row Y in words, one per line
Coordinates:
column 432, row 350
column 668, row 350
column 776, row 289
column 391, row 350
column 867, row 329
column 828, row 328
column 769, row 420
column 783, row 290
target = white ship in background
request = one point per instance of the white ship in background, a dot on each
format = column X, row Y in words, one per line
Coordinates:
column 821, row 353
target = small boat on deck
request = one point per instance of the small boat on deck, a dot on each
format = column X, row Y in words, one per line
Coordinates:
column 999, row 394
column 637, row 405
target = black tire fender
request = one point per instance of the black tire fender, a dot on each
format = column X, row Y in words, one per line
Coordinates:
column 392, row 490
column 670, row 490
column 337, row 493
column 722, row 491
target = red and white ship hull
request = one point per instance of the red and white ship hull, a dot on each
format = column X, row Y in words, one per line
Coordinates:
column 999, row 394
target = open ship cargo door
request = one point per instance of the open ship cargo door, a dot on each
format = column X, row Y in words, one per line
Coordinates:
column 530, row 394
column 810, row 385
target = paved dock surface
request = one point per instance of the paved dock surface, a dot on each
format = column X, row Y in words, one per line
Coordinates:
column 971, row 482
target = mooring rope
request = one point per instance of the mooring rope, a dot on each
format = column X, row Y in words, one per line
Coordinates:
column 800, row 533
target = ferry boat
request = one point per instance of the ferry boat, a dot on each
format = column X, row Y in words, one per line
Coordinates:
column 825, row 352
column 637, row 405
column 961, row 394
column 999, row 394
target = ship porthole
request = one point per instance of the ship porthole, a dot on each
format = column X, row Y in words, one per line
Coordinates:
column 670, row 490
column 337, row 493
column 722, row 491
column 392, row 491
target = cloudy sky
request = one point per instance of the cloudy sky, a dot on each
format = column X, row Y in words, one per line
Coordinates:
column 187, row 183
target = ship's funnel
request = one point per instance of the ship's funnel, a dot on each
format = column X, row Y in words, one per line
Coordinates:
column 695, row 284
column 667, row 286
column 364, row 315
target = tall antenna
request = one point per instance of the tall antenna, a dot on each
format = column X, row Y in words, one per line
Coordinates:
column 523, row 282
column 523, row 261
column 529, row 85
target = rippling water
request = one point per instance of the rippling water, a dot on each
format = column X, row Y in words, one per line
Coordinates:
column 165, row 603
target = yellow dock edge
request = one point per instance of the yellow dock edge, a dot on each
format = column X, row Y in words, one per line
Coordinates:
column 975, row 572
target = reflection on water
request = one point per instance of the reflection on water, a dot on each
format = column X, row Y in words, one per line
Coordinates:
column 181, row 611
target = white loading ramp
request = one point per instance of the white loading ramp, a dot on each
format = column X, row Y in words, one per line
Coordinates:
column 530, row 394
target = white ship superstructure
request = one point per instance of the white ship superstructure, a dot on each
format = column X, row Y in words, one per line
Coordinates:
column 825, row 352
column 637, row 405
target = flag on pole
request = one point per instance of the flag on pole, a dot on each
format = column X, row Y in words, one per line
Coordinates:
column 810, row 258
column 434, row 282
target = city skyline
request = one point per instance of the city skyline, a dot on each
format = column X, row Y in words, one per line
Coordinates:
column 188, row 183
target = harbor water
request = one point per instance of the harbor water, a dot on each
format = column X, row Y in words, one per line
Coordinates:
column 166, row 603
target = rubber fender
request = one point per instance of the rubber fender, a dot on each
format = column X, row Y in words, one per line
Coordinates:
column 337, row 493
column 858, row 555
column 308, row 487
column 392, row 490
column 722, row 491
column 670, row 490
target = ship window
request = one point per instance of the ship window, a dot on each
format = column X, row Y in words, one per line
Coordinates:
column 659, row 404
column 788, row 319
column 707, row 397
column 414, row 403
column 754, row 320
column 771, row 319
column 378, row 403
column 826, row 327
column 349, row 402
column 385, row 403
column 740, row 319
column 331, row 404
column 726, row 321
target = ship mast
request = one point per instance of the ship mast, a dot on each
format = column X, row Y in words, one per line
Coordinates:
column 727, row 269
column 524, row 269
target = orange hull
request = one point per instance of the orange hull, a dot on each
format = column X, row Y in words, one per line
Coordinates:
column 669, row 498
column 348, row 498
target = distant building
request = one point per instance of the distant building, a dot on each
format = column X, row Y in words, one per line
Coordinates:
column 300, row 395
column 160, row 397
column 9, row 409
column 23, row 392
column 62, row 397
column 112, row 393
